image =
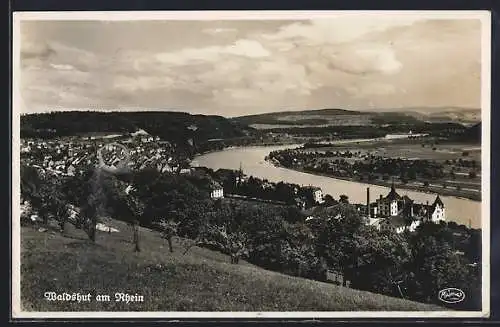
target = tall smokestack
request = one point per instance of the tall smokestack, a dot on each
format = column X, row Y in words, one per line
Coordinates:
column 427, row 210
column 368, row 202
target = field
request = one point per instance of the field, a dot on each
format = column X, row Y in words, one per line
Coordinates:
column 410, row 149
column 461, row 176
column 201, row 280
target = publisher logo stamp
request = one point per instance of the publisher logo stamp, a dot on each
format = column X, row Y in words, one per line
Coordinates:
column 451, row 295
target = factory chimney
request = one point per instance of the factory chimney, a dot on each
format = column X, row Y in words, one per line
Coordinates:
column 368, row 202
column 427, row 210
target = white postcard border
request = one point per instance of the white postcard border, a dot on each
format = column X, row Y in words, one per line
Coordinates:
column 482, row 15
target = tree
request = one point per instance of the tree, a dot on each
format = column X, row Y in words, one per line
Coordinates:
column 435, row 264
column 235, row 243
column 298, row 253
column 136, row 239
column 30, row 182
column 169, row 230
column 344, row 199
column 381, row 262
column 335, row 241
column 329, row 200
column 95, row 205
column 412, row 174
column 136, row 207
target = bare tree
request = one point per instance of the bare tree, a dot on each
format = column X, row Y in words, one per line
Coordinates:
column 136, row 207
column 169, row 230
column 233, row 243
column 135, row 224
column 95, row 205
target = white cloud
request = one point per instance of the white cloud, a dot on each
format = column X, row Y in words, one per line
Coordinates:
column 376, row 89
column 338, row 30
column 243, row 48
column 334, row 63
column 215, row 31
column 62, row 67
column 131, row 84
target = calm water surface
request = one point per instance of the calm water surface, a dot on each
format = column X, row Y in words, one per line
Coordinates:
column 253, row 164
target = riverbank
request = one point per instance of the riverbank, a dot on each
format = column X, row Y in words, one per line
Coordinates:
column 231, row 147
column 252, row 161
column 417, row 188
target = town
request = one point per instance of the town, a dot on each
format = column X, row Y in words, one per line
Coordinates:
column 67, row 180
column 70, row 156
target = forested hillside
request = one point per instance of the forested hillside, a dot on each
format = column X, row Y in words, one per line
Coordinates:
column 170, row 126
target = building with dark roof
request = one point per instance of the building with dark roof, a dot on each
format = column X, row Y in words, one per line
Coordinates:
column 399, row 213
column 316, row 193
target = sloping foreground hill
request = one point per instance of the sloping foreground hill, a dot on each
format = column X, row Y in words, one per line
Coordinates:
column 201, row 280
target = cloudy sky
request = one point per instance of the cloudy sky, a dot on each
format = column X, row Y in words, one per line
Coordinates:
column 240, row 67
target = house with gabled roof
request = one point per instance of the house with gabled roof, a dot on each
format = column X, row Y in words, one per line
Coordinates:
column 400, row 213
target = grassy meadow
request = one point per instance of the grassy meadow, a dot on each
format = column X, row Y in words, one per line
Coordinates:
column 200, row 280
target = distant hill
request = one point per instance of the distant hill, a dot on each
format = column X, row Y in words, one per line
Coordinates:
column 342, row 117
column 464, row 116
column 170, row 126
column 472, row 134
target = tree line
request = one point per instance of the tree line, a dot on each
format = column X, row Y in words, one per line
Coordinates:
column 413, row 266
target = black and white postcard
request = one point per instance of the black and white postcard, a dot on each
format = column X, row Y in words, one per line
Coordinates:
column 251, row 164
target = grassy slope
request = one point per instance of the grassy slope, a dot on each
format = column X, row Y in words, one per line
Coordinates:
column 201, row 280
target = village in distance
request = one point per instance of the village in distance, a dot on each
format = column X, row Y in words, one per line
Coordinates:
column 381, row 203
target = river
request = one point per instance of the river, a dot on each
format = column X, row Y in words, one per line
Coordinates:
column 252, row 161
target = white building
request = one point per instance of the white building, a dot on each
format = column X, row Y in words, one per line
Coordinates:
column 317, row 194
column 400, row 213
column 437, row 210
column 216, row 190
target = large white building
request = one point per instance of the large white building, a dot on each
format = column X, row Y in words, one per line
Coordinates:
column 400, row 213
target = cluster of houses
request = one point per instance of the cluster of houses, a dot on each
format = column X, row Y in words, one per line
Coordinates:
column 66, row 157
column 392, row 212
column 69, row 156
